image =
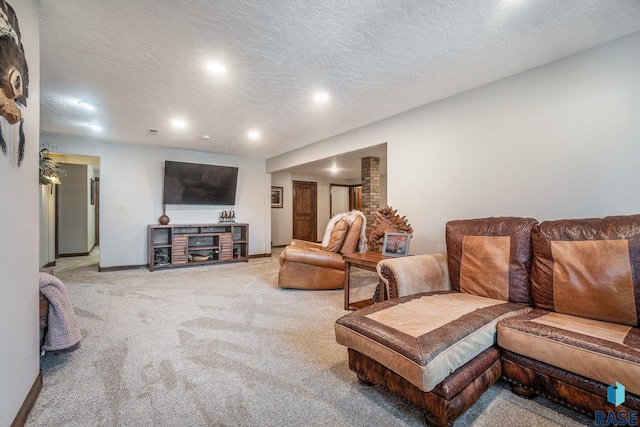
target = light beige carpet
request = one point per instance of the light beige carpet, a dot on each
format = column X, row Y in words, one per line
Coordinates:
column 224, row 346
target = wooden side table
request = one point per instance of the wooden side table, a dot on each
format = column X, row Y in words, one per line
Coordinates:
column 365, row 261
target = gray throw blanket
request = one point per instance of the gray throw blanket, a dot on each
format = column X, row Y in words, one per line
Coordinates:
column 63, row 332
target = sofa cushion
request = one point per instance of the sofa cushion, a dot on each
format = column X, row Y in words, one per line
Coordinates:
column 350, row 244
column 338, row 234
column 491, row 257
column 588, row 268
column 602, row 351
column 425, row 337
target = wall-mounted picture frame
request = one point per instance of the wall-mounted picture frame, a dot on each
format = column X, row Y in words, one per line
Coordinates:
column 276, row 197
column 93, row 191
column 396, row 244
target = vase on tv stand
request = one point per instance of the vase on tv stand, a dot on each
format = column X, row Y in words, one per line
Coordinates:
column 164, row 219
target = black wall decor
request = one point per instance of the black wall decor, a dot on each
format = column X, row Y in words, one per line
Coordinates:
column 14, row 75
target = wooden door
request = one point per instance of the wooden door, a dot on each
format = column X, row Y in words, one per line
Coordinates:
column 356, row 197
column 305, row 206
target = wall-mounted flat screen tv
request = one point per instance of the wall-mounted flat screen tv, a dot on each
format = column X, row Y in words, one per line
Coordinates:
column 196, row 184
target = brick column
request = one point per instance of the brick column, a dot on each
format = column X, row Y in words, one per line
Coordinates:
column 370, row 172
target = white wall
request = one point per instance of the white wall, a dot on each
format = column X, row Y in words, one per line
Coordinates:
column 91, row 210
column 559, row 141
column 73, row 198
column 132, row 175
column 47, row 225
column 19, row 193
column 282, row 218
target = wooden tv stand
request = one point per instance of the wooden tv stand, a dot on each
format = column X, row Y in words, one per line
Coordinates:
column 184, row 245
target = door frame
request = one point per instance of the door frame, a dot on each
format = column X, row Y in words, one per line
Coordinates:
column 315, row 211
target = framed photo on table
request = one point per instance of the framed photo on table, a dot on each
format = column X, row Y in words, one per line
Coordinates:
column 396, row 244
column 276, row 197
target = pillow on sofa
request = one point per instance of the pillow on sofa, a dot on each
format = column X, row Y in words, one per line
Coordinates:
column 491, row 257
column 353, row 236
column 588, row 268
column 337, row 236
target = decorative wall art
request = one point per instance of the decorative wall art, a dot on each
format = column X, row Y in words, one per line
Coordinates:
column 14, row 75
column 276, row 197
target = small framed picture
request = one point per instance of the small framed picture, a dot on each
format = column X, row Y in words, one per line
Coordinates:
column 396, row 244
column 276, row 197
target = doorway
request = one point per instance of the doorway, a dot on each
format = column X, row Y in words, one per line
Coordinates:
column 305, row 210
column 344, row 197
column 69, row 211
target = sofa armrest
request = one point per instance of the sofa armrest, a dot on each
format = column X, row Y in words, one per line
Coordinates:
column 414, row 274
column 312, row 256
column 305, row 244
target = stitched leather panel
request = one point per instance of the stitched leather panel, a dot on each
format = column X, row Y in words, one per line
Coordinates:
column 583, row 354
column 519, row 232
column 604, row 330
column 427, row 359
column 592, row 278
column 423, row 315
column 484, row 268
column 338, row 234
column 548, row 233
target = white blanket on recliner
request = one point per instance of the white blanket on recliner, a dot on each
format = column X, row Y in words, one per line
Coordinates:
column 349, row 217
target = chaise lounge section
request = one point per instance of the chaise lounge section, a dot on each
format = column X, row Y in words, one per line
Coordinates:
column 551, row 307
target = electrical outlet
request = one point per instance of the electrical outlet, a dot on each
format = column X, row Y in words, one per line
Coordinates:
column 121, row 206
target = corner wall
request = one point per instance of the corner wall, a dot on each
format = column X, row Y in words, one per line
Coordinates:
column 558, row 141
column 19, row 211
column 132, row 176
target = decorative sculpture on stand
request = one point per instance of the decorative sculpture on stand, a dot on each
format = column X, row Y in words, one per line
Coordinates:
column 227, row 216
column 14, row 75
column 387, row 221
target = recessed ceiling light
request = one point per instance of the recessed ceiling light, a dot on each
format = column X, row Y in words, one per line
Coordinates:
column 321, row 96
column 94, row 127
column 178, row 123
column 205, row 137
column 91, row 106
column 253, row 135
column 216, row 67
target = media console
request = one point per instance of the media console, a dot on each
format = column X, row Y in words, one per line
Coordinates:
column 197, row 244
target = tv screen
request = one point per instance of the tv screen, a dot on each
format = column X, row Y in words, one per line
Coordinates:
column 195, row 184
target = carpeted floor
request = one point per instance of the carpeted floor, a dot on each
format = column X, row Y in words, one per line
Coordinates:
column 224, row 346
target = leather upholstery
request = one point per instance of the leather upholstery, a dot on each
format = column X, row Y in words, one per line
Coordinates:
column 449, row 399
column 414, row 274
column 425, row 337
column 589, row 268
column 602, row 351
column 585, row 274
column 491, row 257
column 575, row 391
column 307, row 265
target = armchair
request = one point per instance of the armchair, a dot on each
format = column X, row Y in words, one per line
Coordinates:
column 309, row 265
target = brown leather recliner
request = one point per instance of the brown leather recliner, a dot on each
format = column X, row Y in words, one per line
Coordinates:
column 308, row 265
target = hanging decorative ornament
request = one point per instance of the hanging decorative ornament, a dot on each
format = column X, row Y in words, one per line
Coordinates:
column 14, row 75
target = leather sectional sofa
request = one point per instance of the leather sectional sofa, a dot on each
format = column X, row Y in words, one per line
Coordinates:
column 551, row 307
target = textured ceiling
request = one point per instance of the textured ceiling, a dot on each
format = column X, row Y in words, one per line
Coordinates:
column 143, row 62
